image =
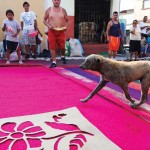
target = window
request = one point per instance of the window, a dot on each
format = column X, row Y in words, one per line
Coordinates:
column 127, row 4
column 146, row 4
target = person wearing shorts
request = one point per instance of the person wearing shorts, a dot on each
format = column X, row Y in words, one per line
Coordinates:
column 56, row 37
column 135, row 40
column 113, row 35
column 28, row 25
column 11, row 28
column 56, row 20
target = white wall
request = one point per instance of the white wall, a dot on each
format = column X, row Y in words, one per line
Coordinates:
column 138, row 12
column 127, row 4
column 69, row 5
column 114, row 6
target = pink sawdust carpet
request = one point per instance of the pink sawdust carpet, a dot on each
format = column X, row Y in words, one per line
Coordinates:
column 36, row 89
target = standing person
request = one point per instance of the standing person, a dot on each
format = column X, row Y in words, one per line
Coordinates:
column 11, row 28
column 135, row 40
column 103, row 33
column 56, row 20
column 28, row 25
column 113, row 35
column 144, row 27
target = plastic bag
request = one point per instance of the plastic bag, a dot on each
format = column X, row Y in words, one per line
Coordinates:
column 14, row 56
column 76, row 48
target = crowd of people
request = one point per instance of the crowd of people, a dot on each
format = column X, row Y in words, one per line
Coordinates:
column 55, row 19
column 139, row 44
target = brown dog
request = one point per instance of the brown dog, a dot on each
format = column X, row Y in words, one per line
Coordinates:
column 120, row 73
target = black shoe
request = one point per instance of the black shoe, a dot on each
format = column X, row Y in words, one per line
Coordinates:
column 64, row 60
column 27, row 56
column 53, row 65
column 33, row 56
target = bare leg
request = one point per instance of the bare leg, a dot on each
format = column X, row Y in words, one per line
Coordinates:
column 114, row 55
column 63, row 56
column 130, row 55
column 136, row 55
column 53, row 55
column 33, row 48
column 8, row 54
column 62, row 52
column 19, row 55
column 99, row 87
column 110, row 53
column 27, row 49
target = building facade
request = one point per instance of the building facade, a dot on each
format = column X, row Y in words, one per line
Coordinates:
column 135, row 9
column 80, row 12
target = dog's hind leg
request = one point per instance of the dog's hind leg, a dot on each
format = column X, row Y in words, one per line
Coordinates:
column 101, row 84
column 126, row 92
column 145, row 84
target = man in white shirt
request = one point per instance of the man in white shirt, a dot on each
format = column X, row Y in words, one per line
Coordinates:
column 135, row 40
column 144, row 27
column 28, row 25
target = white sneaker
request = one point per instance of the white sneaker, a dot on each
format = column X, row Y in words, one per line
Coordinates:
column 20, row 62
column 48, row 59
column 7, row 62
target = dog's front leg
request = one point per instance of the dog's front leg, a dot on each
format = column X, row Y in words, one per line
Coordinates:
column 99, row 87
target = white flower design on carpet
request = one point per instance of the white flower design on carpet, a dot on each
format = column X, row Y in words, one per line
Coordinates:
column 26, row 134
column 61, row 130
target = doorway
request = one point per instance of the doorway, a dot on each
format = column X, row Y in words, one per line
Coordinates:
column 89, row 17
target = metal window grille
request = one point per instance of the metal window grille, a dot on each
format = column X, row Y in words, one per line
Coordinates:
column 88, row 17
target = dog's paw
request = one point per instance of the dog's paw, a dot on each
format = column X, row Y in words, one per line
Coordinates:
column 132, row 105
column 84, row 100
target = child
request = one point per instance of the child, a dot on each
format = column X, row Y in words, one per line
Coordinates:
column 143, row 45
column 12, row 28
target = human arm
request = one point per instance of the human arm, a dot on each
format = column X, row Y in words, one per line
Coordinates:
column 143, row 26
column 35, row 19
column 4, row 26
column 35, row 24
column 122, row 35
column 66, row 18
column 21, row 21
column 39, row 32
column 21, row 25
column 16, row 34
column 46, row 18
column 132, row 30
column 108, row 29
